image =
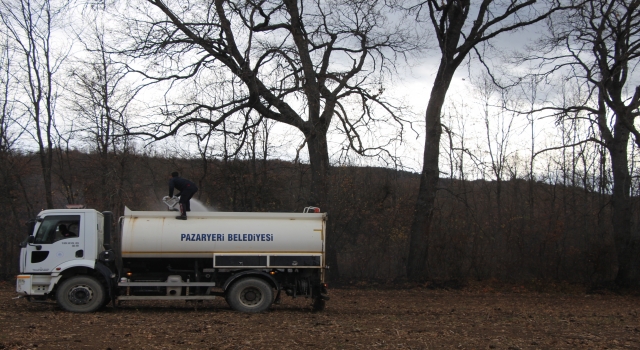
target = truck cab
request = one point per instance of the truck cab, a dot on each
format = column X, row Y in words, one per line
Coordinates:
column 62, row 238
column 62, row 244
column 59, row 240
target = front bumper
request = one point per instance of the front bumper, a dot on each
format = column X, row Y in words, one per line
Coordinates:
column 35, row 284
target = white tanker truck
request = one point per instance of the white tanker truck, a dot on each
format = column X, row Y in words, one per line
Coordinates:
column 248, row 258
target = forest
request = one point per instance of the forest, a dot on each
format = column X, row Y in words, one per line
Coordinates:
column 512, row 231
column 518, row 161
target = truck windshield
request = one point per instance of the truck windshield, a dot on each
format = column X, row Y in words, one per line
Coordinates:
column 57, row 227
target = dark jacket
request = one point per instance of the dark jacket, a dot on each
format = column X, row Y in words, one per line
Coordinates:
column 180, row 184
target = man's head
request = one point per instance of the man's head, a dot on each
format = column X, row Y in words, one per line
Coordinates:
column 175, row 174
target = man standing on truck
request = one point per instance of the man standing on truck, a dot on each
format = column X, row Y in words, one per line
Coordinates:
column 187, row 190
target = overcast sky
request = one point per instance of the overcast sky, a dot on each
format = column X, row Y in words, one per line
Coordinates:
column 412, row 85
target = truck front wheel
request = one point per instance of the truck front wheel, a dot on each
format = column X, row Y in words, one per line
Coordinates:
column 80, row 294
column 250, row 295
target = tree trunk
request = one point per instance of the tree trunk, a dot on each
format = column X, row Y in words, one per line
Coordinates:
column 622, row 208
column 417, row 262
column 319, row 197
column 319, row 162
column 45, row 162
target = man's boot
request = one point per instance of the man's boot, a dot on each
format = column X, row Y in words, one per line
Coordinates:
column 183, row 214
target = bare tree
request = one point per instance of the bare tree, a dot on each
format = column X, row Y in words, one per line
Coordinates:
column 598, row 44
column 63, row 164
column 298, row 63
column 30, row 24
column 293, row 64
column 102, row 99
column 9, row 135
column 460, row 27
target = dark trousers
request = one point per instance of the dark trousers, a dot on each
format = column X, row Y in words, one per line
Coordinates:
column 185, row 197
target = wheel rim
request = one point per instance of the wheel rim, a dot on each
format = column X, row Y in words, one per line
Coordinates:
column 251, row 296
column 80, row 295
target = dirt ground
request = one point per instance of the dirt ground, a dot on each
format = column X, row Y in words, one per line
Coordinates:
column 416, row 318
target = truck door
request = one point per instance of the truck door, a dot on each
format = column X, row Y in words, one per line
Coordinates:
column 60, row 238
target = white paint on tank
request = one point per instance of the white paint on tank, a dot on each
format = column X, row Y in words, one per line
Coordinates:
column 160, row 234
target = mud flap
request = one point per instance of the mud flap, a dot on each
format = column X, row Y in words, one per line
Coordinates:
column 107, row 274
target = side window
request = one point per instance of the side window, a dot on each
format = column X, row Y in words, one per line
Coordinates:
column 58, row 227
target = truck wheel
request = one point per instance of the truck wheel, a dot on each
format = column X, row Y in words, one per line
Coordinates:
column 250, row 295
column 80, row 294
column 318, row 304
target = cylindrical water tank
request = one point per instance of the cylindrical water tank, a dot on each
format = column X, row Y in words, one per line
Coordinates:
column 155, row 234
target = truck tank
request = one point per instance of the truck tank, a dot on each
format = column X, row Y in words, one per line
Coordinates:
column 157, row 234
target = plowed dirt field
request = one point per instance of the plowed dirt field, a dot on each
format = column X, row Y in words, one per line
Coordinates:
column 416, row 318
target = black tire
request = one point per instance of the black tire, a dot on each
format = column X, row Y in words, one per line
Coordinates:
column 81, row 294
column 250, row 295
column 318, row 304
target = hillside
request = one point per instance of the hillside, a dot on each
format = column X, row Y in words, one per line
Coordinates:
column 511, row 231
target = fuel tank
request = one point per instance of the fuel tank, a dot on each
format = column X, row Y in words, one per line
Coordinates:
column 154, row 234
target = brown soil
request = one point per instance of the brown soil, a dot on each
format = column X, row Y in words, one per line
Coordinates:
column 417, row 318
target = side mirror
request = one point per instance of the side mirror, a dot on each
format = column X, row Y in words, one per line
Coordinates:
column 31, row 226
column 27, row 241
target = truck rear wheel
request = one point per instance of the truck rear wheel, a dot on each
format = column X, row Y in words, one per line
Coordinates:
column 250, row 295
column 318, row 304
column 80, row 294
